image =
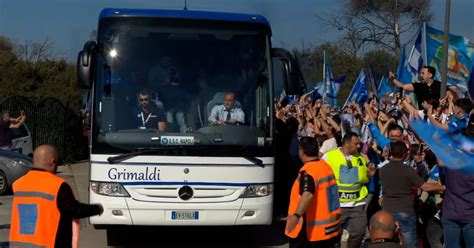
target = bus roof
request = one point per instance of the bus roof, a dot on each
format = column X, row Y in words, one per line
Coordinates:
column 184, row 14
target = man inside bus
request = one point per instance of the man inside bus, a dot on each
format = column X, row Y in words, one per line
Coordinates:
column 227, row 113
column 148, row 114
column 166, row 80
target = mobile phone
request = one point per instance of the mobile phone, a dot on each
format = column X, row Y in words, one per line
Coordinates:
column 400, row 90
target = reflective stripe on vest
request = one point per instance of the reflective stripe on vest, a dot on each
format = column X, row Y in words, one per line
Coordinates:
column 349, row 181
column 324, row 222
column 326, row 179
column 323, row 214
column 351, row 188
column 45, row 196
column 35, row 215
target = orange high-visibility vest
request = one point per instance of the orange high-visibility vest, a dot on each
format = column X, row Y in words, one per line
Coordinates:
column 323, row 214
column 35, row 215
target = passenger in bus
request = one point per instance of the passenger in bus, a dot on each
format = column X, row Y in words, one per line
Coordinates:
column 148, row 114
column 165, row 79
column 227, row 113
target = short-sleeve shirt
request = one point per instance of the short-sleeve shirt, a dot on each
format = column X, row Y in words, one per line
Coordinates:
column 398, row 181
column 424, row 92
column 146, row 120
column 5, row 134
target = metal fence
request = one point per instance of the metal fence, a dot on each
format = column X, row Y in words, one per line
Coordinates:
column 50, row 122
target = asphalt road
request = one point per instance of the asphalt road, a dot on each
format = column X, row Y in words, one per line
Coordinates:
column 77, row 176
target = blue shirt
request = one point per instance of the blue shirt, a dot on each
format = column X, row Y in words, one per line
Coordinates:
column 219, row 112
column 456, row 125
column 381, row 140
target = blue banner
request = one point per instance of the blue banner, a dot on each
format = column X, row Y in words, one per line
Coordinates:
column 404, row 74
column 385, row 87
column 332, row 85
column 459, row 59
column 359, row 92
column 453, row 150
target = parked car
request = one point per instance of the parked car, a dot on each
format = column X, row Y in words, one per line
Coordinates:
column 21, row 141
column 13, row 165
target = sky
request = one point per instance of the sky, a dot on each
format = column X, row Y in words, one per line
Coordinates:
column 68, row 23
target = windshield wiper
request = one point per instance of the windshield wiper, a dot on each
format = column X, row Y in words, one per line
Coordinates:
column 119, row 158
column 255, row 160
column 246, row 154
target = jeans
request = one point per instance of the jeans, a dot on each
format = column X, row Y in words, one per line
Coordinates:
column 407, row 222
column 179, row 119
column 452, row 233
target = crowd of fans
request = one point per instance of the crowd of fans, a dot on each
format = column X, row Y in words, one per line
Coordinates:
column 382, row 122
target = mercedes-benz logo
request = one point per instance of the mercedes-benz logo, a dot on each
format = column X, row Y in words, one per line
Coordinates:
column 185, row 193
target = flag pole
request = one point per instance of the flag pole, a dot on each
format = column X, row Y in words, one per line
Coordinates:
column 444, row 74
column 324, row 78
column 423, row 44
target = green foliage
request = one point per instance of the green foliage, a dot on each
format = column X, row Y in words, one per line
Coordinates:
column 343, row 63
column 36, row 76
column 37, row 79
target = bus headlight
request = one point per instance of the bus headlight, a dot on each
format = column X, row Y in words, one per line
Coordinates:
column 257, row 190
column 109, row 189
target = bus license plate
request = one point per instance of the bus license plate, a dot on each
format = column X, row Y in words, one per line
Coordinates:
column 185, row 215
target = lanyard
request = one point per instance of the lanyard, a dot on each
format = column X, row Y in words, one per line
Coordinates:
column 147, row 118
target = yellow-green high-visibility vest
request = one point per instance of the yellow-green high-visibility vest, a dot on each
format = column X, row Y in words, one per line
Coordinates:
column 350, row 181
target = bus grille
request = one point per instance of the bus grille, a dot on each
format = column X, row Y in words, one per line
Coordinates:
column 195, row 194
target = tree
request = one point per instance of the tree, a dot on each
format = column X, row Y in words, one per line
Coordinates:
column 342, row 62
column 368, row 23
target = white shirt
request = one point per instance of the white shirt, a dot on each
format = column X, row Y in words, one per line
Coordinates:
column 219, row 112
column 329, row 144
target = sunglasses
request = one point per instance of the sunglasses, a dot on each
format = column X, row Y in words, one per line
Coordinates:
column 143, row 99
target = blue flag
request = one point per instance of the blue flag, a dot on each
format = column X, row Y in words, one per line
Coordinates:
column 449, row 148
column 359, row 92
column 331, row 85
column 385, row 87
column 404, row 74
column 415, row 61
column 459, row 59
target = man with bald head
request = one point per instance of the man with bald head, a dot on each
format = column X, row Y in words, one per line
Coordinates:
column 227, row 113
column 384, row 231
column 44, row 205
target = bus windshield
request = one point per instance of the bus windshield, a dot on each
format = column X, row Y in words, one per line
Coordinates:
column 163, row 83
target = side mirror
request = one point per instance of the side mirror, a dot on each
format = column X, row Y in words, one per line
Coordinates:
column 294, row 82
column 85, row 64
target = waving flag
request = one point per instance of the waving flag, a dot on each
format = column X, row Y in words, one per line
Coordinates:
column 415, row 60
column 359, row 92
column 385, row 87
column 459, row 58
column 404, row 74
column 448, row 147
column 331, row 86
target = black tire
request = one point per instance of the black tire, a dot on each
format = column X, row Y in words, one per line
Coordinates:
column 3, row 183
